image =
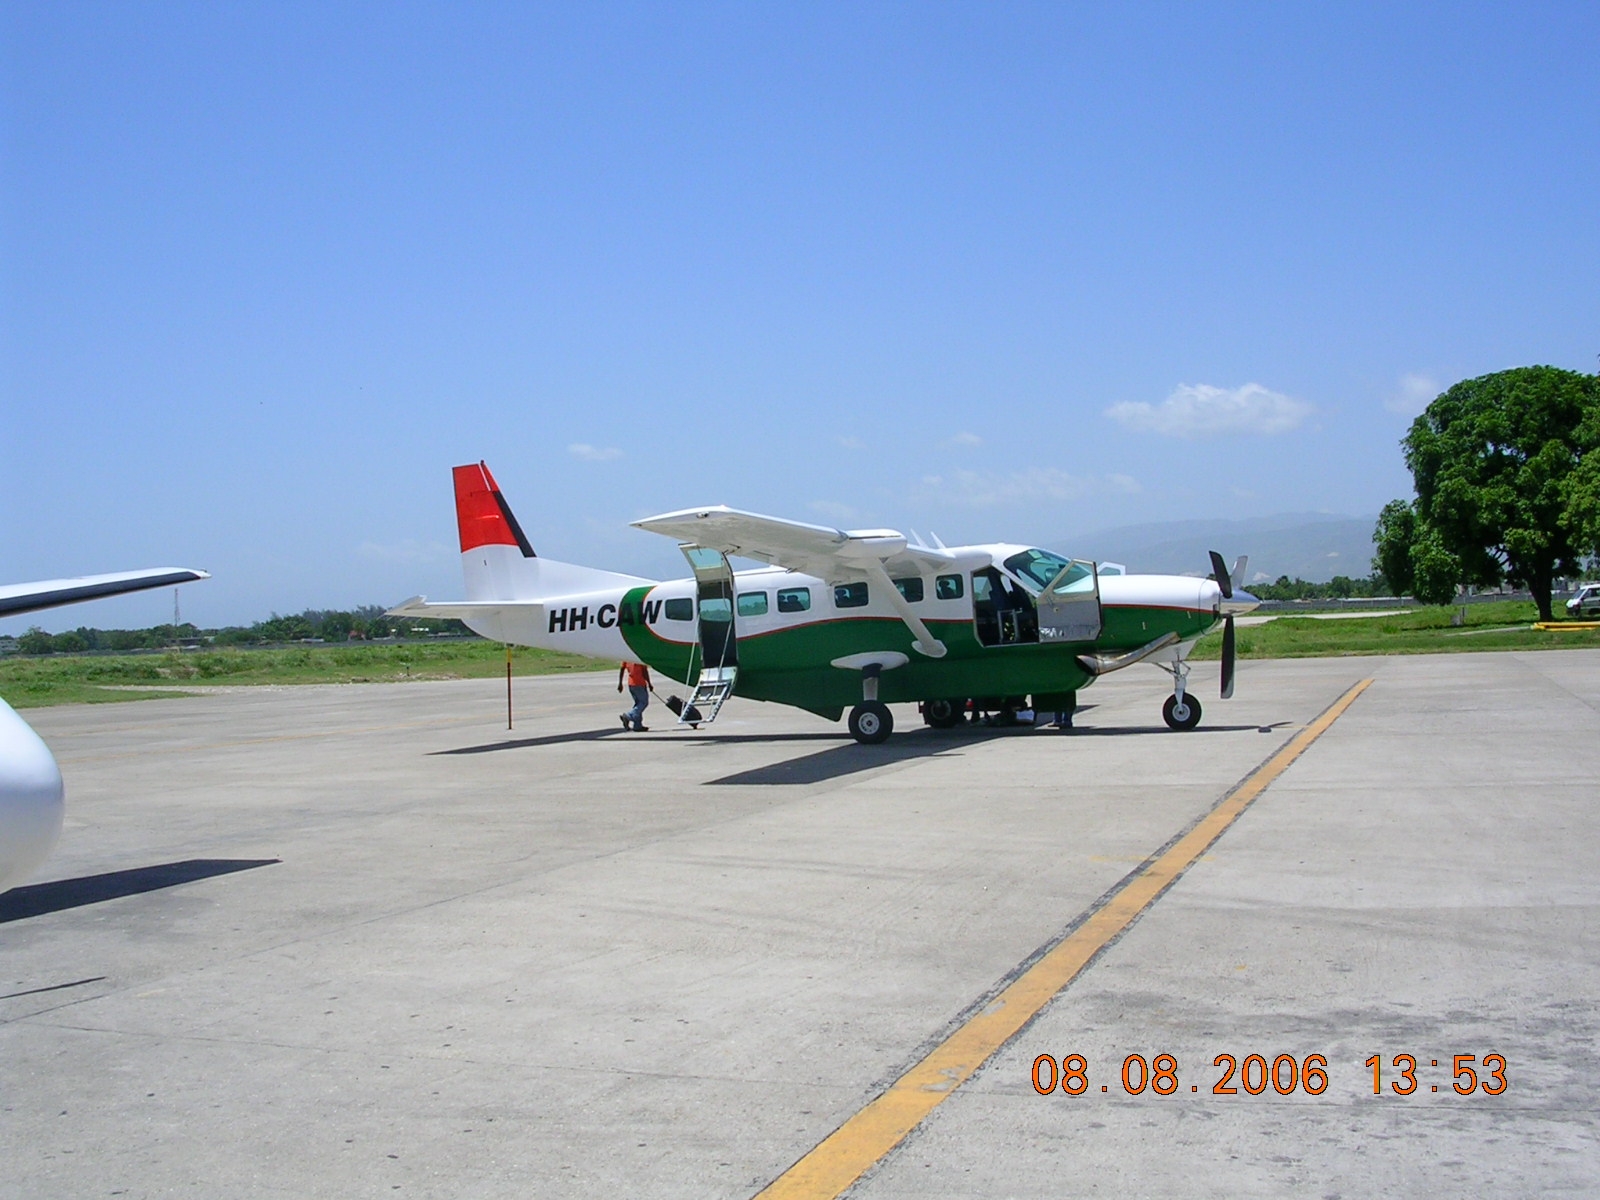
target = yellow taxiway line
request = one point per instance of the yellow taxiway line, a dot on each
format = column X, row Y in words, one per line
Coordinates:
column 849, row 1151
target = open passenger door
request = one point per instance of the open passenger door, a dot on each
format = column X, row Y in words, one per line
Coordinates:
column 718, row 640
column 1069, row 609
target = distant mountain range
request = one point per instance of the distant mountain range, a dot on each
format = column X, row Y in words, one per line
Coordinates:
column 1310, row 546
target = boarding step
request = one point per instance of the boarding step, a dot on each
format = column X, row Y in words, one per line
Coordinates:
column 711, row 692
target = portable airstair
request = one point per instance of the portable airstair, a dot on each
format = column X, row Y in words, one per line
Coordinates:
column 718, row 646
column 711, row 692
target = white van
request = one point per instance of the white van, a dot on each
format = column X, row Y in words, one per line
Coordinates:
column 1586, row 603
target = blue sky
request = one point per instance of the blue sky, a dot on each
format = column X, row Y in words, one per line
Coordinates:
column 1006, row 271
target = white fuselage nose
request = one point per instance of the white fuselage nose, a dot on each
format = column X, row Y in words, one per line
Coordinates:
column 32, row 800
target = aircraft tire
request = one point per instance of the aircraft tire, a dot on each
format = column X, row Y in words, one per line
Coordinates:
column 871, row 722
column 944, row 714
column 1190, row 718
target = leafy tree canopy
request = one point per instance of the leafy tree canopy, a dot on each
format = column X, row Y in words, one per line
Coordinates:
column 1507, row 473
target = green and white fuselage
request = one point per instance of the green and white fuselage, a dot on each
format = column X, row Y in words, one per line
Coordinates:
column 839, row 618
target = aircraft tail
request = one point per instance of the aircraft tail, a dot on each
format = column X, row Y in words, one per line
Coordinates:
column 497, row 559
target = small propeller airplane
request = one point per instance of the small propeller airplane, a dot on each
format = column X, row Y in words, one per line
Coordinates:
column 840, row 619
column 32, row 798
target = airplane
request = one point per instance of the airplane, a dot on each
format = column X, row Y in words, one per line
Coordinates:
column 32, row 797
column 838, row 619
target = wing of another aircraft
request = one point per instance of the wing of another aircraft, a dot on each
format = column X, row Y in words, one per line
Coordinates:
column 820, row 550
column 32, row 799
column 18, row 598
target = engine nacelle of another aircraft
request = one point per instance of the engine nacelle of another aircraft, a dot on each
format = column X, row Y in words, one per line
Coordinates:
column 32, row 799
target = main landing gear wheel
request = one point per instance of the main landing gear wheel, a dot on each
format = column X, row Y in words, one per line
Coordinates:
column 871, row 722
column 1186, row 716
column 944, row 714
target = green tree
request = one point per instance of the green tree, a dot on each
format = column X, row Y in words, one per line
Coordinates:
column 1434, row 570
column 1581, row 517
column 1396, row 531
column 1494, row 461
column 36, row 641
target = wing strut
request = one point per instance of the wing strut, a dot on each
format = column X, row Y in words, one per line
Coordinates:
column 925, row 642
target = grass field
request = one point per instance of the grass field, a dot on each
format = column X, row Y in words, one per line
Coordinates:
column 90, row 679
column 99, row 678
column 1501, row 625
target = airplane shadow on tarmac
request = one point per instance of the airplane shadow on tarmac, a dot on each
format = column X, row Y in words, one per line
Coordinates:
column 554, row 739
column 850, row 759
column 1151, row 730
column 596, row 735
column 37, row 899
column 838, row 759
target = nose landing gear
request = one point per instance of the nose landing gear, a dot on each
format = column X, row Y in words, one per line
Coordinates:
column 1181, row 711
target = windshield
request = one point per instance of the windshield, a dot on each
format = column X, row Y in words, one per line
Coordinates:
column 1036, row 568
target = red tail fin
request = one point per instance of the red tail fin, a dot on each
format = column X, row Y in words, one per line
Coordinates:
column 483, row 517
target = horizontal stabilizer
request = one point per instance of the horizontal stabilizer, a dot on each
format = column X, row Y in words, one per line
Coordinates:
column 460, row 610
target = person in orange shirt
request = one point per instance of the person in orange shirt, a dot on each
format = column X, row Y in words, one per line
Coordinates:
column 638, row 679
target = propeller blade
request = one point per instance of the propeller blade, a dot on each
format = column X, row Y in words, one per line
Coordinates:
column 1227, row 657
column 1219, row 572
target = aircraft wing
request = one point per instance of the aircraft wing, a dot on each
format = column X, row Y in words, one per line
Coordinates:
column 820, row 550
column 17, row 598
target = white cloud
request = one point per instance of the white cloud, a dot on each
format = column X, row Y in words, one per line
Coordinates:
column 966, row 439
column 852, row 443
column 590, row 453
column 833, row 510
column 1200, row 410
column 1413, row 395
column 409, row 551
column 981, row 489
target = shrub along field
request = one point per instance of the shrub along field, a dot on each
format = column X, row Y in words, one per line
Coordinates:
column 74, row 679
column 78, row 679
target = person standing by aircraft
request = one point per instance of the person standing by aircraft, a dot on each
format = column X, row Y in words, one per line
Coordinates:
column 637, row 676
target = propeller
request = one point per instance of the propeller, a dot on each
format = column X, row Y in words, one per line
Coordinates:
column 1227, row 657
column 1219, row 572
column 1224, row 578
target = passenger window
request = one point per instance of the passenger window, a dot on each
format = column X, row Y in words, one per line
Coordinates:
column 947, row 587
column 911, row 588
column 794, row 599
column 680, row 610
column 850, row 595
column 752, row 604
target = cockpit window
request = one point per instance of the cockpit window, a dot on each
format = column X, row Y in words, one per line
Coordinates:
column 1036, row 568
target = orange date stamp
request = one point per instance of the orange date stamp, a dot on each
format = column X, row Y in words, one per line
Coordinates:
column 1283, row 1074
